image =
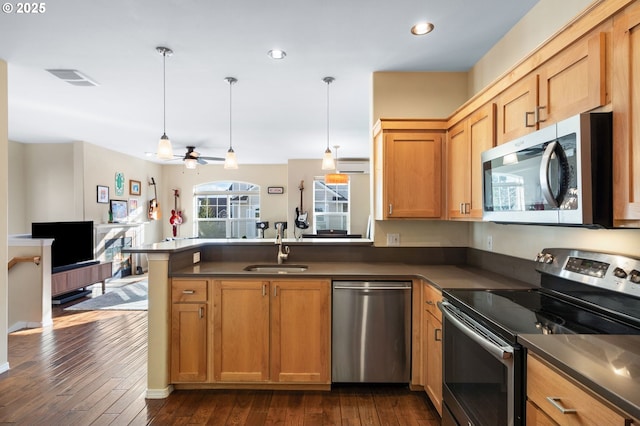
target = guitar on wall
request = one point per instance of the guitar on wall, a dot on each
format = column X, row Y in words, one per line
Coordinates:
column 154, row 207
column 301, row 221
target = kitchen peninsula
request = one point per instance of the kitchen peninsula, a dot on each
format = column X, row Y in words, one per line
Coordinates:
column 205, row 265
column 324, row 259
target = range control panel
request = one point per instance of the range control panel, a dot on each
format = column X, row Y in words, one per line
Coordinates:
column 588, row 267
column 609, row 271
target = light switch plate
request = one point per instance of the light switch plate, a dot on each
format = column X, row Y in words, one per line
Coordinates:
column 196, row 257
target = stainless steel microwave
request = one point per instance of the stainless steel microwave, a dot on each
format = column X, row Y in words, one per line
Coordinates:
column 561, row 174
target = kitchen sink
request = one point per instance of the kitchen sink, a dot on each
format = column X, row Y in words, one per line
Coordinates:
column 276, row 269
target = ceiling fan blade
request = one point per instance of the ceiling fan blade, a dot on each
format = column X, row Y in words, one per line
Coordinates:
column 200, row 160
column 212, row 158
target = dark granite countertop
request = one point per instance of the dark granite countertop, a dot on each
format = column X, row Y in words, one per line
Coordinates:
column 607, row 364
column 441, row 276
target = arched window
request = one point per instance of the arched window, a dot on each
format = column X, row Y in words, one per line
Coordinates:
column 226, row 209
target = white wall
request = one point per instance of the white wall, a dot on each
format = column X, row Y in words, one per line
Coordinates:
column 544, row 20
column 4, row 212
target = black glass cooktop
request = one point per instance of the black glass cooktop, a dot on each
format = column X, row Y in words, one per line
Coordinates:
column 513, row 312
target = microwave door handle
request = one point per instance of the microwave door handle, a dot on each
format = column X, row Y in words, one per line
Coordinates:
column 504, row 354
column 545, row 185
column 554, row 147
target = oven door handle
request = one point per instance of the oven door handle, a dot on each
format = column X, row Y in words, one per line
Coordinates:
column 502, row 352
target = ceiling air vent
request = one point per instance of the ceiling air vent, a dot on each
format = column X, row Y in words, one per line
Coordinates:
column 74, row 77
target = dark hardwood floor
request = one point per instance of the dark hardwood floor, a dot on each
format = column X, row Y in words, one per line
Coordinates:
column 89, row 368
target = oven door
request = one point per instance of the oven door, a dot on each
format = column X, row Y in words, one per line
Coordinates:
column 482, row 374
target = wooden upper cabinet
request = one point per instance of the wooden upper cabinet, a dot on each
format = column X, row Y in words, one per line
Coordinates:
column 465, row 143
column 408, row 170
column 574, row 81
column 517, row 108
column 626, row 117
column 570, row 83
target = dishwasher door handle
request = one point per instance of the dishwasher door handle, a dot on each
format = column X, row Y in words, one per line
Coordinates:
column 340, row 287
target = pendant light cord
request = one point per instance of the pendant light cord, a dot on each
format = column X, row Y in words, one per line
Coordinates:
column 230, row 112
column 164, row 92
column 328, row 83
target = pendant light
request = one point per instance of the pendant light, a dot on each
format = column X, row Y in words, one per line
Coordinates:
column 336, row 178
column 230, row 160
column 165, row 151
column 327, row 159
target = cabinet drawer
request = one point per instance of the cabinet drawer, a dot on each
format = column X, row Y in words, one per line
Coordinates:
column 188, row 291
column 545, row 385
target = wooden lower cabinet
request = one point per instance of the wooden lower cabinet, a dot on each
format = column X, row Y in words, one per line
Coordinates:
column 241, row 331
column 432, row 345
column 549, row 392
column 272, row 331
column 189, row 331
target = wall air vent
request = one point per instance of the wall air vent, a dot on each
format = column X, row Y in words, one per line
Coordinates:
column 352, row 165
column 74, row 77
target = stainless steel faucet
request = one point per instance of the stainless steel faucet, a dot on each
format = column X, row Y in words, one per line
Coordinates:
column 283, row 251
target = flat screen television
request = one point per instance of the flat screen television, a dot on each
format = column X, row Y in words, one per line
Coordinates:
column 72, row 245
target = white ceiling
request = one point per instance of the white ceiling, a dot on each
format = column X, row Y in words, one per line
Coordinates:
column 279, row 107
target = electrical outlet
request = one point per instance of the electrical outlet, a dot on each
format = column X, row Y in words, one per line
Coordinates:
column 196, row 257
column 490, row 242
column 393, row 239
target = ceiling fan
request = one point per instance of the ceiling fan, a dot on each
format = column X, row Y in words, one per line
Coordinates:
column 191, row 157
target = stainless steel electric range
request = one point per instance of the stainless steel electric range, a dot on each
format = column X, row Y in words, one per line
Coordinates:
column 484, row 366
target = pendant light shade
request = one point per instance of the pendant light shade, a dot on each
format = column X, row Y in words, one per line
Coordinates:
column 165, row 150
column 336, row 178
column 327, row 160
column 230, row 160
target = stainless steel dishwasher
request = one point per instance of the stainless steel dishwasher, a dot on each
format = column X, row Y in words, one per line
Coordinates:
column 371, row 332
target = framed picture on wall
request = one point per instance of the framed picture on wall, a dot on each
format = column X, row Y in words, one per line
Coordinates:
column 134, row 187
column 133, row 206
column 119, row 210
column 103, row 194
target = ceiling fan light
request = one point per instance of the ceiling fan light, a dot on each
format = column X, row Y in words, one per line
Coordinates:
column 328, row 163
column 190, row 163
column 230, row 160
column 165, row 151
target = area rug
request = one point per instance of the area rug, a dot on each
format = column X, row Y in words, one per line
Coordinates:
column 131, row 297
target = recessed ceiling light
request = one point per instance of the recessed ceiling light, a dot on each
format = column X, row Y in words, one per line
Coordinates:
column 422, row 28
column 277, row 54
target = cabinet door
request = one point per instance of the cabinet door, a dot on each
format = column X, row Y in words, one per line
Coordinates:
column 241, row 331
column 433, row 385
column 458, row 173
column 467, row 140
column 626, row 117
column 537, row 417
column 300, row 331
column 412, row 175
column 482, row 136
column 517, row 109
column 188, row 342
column 574, row 81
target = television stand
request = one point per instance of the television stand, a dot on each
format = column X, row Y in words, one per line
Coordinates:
column 74, row 279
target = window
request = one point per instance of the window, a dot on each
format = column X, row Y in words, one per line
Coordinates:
column 226, row 210
column 330, row 206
